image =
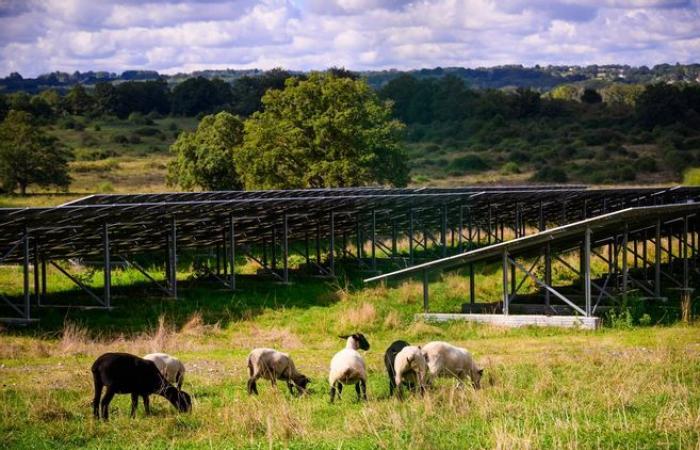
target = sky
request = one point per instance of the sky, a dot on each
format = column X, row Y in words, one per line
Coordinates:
column 170, row 36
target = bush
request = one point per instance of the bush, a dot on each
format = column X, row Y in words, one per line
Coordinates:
column 134, row 139
column 646, row 164
column 147, row 131
column 468, row 163
column 97, row 127
column 92, row 154
column 172, row 126
column 510, row 168
column 550, row 174
column 120, row 139
column 139, row 119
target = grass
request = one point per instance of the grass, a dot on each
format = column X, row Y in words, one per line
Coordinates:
column 632, row 387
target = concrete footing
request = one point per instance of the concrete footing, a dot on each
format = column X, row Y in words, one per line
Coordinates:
column 518, row 320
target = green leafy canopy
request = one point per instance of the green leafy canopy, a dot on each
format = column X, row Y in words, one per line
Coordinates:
column 323, row 131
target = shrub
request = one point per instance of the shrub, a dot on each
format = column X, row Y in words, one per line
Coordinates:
column 510, row 168
column 147, row 131
column 468, row 163
column 92, row 154
column 97, row 127
column 646, row 164
column 139, row 119
column 550, row 174
column 120, row 139
column 172, row 126
column 518, row 157
column 134, row 139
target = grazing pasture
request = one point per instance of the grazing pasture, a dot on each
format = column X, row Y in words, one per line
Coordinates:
column 622, row 386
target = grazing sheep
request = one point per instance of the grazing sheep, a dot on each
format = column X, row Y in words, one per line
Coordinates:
column 273, row 365
column 444, row 359
column 410, row 367
column 171, row 368
column 348, row 367
column 389, row 357
column 123, row 373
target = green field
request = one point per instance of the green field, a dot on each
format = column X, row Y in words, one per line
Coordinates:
column 625, row 386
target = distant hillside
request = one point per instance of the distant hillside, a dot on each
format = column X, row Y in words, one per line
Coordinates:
column 537, row 77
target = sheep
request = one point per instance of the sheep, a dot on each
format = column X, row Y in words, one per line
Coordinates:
column 389, row 357
column 273, row 365
column 348, row 367
column 410, row 367
column 172, row 369
column 444, row 359
column 123, row 373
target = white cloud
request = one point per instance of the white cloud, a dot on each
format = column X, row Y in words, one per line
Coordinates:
column 172, row 36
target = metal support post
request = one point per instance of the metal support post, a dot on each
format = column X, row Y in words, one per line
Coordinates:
column 374, row 240
column 107, row 266
column 410, row 235
column 547, row 272
column 505, row 283
column 331, row 253
column 443, row 230
column 471, row 284
column 26, row 273
column 426, row 306
column 625, row 274
column 587, row 271
column 285, row 249
column 232, row 251
column 173, row 257
column 35, row 263
column 657, row 259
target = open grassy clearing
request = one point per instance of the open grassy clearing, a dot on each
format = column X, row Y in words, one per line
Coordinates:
column 545, row 388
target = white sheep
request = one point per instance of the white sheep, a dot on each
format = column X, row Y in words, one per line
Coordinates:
column 348, row 367
column 171, row 368
column 272, row 365
column 410, row 366
column 446, row 360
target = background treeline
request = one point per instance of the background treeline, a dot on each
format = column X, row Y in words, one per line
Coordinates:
column 537, row 77
column 592, row 131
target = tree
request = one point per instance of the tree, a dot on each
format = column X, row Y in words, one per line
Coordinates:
column 30, row 156
column 591, row 96
column 324, row 131
column 205, row 157
column 196, row 95
column 78, row 101
column 247, row 92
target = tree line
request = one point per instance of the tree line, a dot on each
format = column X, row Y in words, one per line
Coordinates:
column 333, row 129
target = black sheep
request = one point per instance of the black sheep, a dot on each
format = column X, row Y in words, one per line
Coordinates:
column 389, row 357
column 122, row 373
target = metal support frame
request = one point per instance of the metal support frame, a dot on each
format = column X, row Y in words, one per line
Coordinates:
column 232, row 252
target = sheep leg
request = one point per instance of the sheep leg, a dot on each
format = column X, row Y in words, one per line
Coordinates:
column 392, row 383
column 291, row 388
column 363, row 388
column 106, row 400
column 336, row 387
column 134, row 404
column 179, row 378
column 147, row 405
column 252, row 386
column 98, row 394
column 357, row 390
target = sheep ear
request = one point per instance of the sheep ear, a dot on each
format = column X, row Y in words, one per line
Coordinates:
column 344, row 337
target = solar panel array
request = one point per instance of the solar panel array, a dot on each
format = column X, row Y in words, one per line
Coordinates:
column 140, row 223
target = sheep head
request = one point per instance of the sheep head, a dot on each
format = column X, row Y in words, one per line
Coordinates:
column 358, row 341
column 179, row 399
column 301, row 382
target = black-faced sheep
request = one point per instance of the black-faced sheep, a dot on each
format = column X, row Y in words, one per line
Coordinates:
column 446, row 360
column 172, row 369
column 122, row 373
column 348, row 367
column 389, row 357
column 411, row 368
column 273, row 365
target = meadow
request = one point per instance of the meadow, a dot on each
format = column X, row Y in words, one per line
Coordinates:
column 623, row 386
